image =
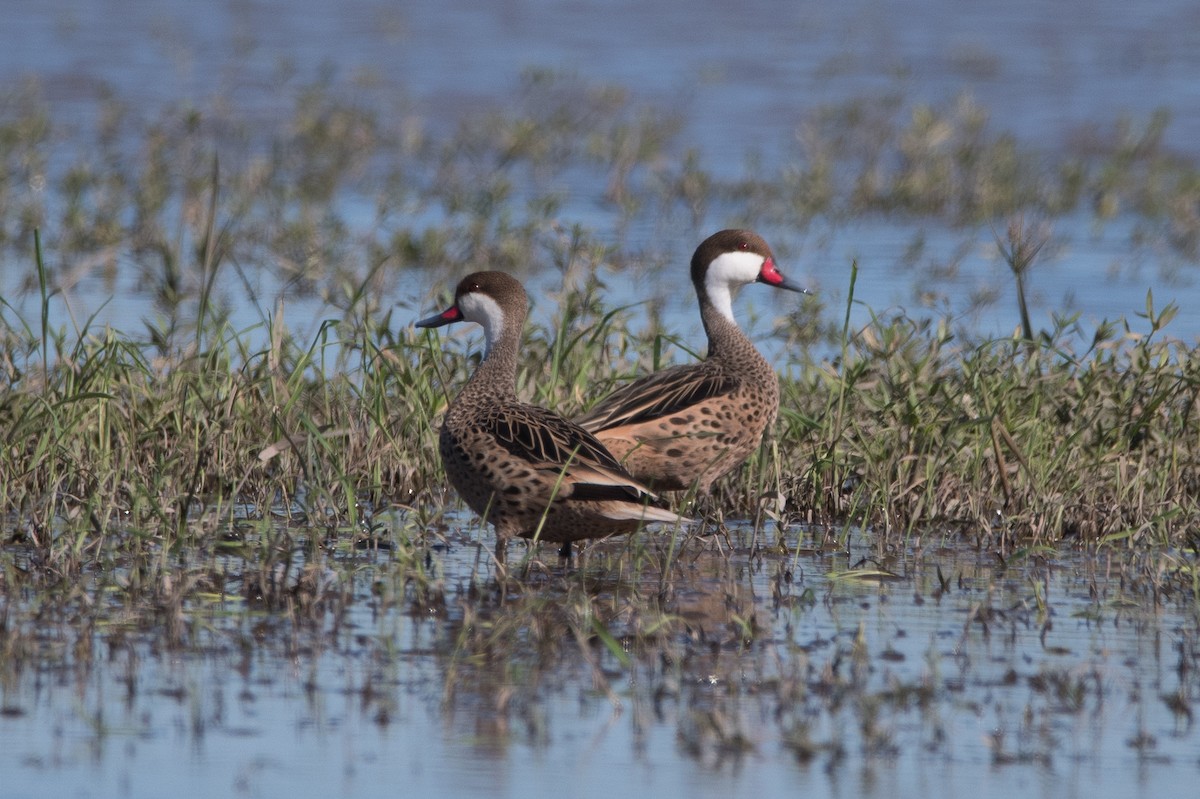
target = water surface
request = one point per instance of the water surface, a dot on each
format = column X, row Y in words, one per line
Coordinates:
column 946, row 672
column 742, row 82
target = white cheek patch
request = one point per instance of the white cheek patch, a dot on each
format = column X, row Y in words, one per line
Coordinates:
column 726, row 274
column 486, row 312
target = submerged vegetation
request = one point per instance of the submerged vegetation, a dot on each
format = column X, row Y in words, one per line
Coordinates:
column 152, row 473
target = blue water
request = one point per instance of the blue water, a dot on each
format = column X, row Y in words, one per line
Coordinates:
column 744, row 76
column 742, row 80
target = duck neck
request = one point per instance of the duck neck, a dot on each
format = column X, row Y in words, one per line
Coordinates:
column 723, row 332
column 496, row 375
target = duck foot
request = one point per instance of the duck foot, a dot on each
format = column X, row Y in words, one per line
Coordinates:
column 501, row 555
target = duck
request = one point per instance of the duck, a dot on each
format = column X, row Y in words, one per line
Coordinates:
column 686, row 426
column 530, row 472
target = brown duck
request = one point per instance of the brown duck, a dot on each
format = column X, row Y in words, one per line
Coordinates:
column 689, row 425
column 529, row 472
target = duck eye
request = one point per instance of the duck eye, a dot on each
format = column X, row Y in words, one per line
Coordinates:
column 743, row 245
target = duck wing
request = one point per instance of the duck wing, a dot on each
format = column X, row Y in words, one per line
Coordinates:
column 664, row 393
column 550, row 443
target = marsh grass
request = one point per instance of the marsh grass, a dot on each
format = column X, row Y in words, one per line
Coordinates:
column 1007, row 441
column 205, row 488
column 913, row 430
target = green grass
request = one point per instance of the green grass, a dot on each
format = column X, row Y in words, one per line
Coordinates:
column 911, row 432
column 1005, row 442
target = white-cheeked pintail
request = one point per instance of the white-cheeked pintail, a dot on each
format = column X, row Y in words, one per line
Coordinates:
column 530, row 472
column 686, row 426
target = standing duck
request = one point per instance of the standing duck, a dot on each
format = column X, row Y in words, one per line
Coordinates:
column 529, row 472
column 689, row 425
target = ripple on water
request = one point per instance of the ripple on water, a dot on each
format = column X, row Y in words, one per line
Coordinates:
column 710, row 670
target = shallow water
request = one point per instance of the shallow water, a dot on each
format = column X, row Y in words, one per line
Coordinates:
column 743, row 77
column 741, row 80
column 1030, row 677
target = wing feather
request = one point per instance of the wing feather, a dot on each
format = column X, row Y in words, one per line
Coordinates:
column 664, row 393
column 557, row 446
column 546, row 439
